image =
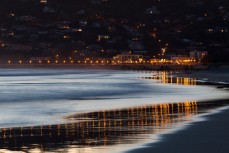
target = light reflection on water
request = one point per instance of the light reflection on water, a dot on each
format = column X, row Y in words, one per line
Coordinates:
column 165, row 77
column 103, row 129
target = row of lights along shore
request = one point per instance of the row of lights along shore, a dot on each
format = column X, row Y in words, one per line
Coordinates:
column 74, row 62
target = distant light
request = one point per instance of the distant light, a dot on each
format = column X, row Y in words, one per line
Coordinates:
column 43, row 1
column 210, row 30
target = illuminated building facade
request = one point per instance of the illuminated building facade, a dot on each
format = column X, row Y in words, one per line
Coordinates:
column 128, row 58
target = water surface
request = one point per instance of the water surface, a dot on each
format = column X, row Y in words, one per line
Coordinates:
column 57, row 110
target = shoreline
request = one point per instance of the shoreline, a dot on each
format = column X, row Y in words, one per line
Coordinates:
column 102, row 131
column 160, row 67
column 209, row 135
column 165, row 139
column 214, row 73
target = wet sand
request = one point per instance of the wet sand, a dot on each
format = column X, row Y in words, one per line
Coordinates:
column 209, row 136
column 115, row 130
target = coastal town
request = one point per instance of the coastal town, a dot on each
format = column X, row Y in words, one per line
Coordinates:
column 100, row 32
column 114, row 76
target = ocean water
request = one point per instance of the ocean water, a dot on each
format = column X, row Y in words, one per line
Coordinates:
column 89, row 111
column 32, row 97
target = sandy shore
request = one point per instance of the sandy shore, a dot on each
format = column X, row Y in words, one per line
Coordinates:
column 208, row 136
column 111, row 131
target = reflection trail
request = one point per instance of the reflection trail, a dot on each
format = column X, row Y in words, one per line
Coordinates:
column 167, row 78
column 108, row 128
column 103, row 128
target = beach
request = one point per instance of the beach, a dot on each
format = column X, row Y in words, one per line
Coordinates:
column 109, row 111
column 114, row 76
column 210, row 135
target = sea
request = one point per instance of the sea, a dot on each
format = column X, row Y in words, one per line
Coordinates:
column 86, row 110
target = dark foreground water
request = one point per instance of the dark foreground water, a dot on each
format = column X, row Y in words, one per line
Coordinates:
column 96, row 111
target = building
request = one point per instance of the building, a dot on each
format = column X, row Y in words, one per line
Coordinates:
column 128, row 58
column 198, row 55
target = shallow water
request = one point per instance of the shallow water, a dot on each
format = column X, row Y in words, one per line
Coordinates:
column 105, row 131
column 43, row 96
column 55, row 107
